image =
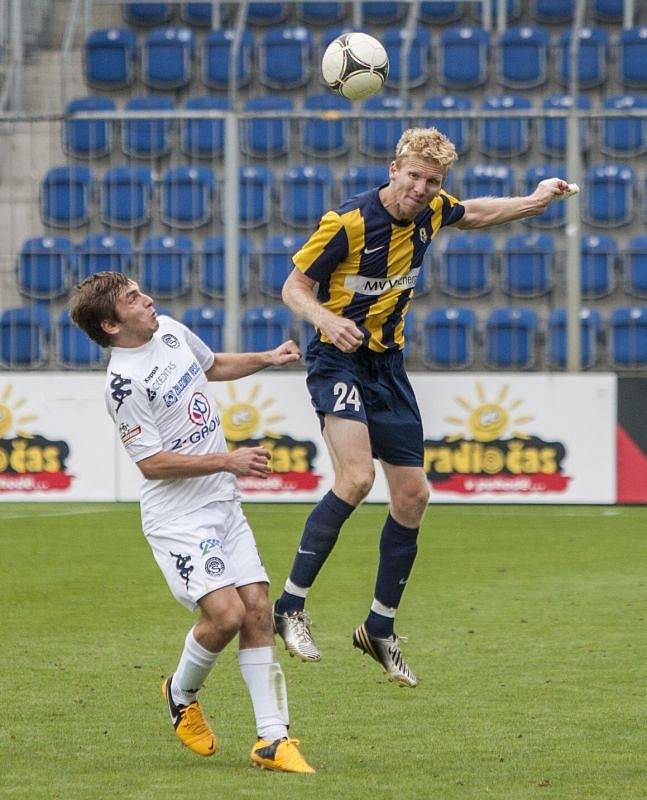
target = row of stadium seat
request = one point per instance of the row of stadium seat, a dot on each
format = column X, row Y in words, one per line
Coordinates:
column 551, row 12
column 498, row 137
column 287, row 58
column 449, row 336
column 188, row 194
column 467, row 268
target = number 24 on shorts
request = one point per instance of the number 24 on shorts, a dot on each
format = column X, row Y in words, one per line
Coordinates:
column 346, row 397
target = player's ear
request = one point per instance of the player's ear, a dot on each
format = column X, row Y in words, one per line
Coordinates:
column 109, row 327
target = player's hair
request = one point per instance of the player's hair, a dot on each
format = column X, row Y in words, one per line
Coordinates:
column 427, row 143
column 95, row 301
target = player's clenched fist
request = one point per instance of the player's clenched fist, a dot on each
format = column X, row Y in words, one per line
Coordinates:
column 249, row 461
column 554, row 189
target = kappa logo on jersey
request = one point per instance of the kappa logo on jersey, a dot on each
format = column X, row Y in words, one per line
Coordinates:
column 199, row 409
column 171, row 397
column 182, row 566
column 171, row 341
column 151, row 374
column 151, row 395
column 207, row 545
column 118, row 392
column 214, row 566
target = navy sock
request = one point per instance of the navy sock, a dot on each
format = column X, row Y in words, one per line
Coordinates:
column 319, row 537
column 398, row 548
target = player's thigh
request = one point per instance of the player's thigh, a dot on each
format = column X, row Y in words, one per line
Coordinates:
column 240, row 549
column 189, row 551
column 349, row 446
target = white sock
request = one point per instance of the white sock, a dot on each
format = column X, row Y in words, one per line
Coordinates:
column 266, row 685
column 195, row 664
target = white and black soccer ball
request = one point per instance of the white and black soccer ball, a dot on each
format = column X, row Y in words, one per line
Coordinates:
column 355, row 65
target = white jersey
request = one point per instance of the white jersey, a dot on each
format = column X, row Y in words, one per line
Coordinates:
column 157, row 395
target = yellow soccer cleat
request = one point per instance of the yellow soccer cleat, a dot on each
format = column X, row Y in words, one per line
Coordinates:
column 190, row 724
column 281, row 755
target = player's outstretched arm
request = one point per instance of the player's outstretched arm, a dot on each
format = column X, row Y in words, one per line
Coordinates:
column 230, row 366
column 298, row 297
column 486, row 212
column 173, row 466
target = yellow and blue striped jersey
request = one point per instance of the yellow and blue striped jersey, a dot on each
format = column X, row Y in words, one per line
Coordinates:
column 367, row 263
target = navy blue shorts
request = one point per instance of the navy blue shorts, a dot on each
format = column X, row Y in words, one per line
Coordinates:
column 372, row 388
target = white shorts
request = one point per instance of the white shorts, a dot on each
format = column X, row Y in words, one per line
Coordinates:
column 205, row 550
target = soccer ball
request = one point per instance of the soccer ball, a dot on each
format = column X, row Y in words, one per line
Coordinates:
column 355, row 65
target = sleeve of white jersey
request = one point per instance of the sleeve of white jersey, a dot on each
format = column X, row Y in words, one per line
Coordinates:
column 130, row 411
column 200, row 350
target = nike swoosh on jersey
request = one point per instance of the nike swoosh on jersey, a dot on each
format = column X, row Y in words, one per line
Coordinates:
column 373, row 249
column 306, row 552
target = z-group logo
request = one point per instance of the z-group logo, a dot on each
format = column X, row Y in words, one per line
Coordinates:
column 199, row 409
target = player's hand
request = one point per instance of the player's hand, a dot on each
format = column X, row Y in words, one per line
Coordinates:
column 285, row 353
column 343, row 333
column 246, row 461
column 553, row 189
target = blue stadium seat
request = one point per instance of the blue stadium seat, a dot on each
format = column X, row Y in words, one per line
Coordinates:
column 24, row 336
column 167, row 58
column 216, row 59
column 523, row 57
column 147, row 13
column 275, row 256
column 74, row 349
column 147, row 138
column 378, row 137
column 380, row 13
column 207, row 322
column 632, row 58
column 590, row 327
column 466, row 265
column 305, row 194
column 434, row 13
column 609, row 195
column 65, row 197
column 85, row 138
column 267, row 13
column 326, row 137
column 126, row 197
column 510, row 338
column 110, row 58
column 284, row 58
column 552, row 131
column 635, row 266
column 555, row 214
column 45, row 267
column 449, row 338
column 419, row 59
column 255, row 188
column 553, row 12
column 212, row 266
column 458, row 130
column 186, row 197
column 267, row 137
column 165, row 266
column 512, row 11
column 265, row 328
column 463, row 58
column 598, row 260
column 528, row 262
column 628, row 327
column 358, row 179
column 485, row 180
column 609, row 11
column 204, row 138
column 624, row 136
column 500, row 137
column 592, row 60
column 100, row 252
column 321, row 13
column 199, row 14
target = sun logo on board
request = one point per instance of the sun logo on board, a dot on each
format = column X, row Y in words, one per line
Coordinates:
column 248, row 418
column 13, row 417
column 490, row 420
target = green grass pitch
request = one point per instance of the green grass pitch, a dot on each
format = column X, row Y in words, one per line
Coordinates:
column 526, row 625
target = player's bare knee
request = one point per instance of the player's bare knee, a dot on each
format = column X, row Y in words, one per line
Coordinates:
column 409, row 507
column 357, row 484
